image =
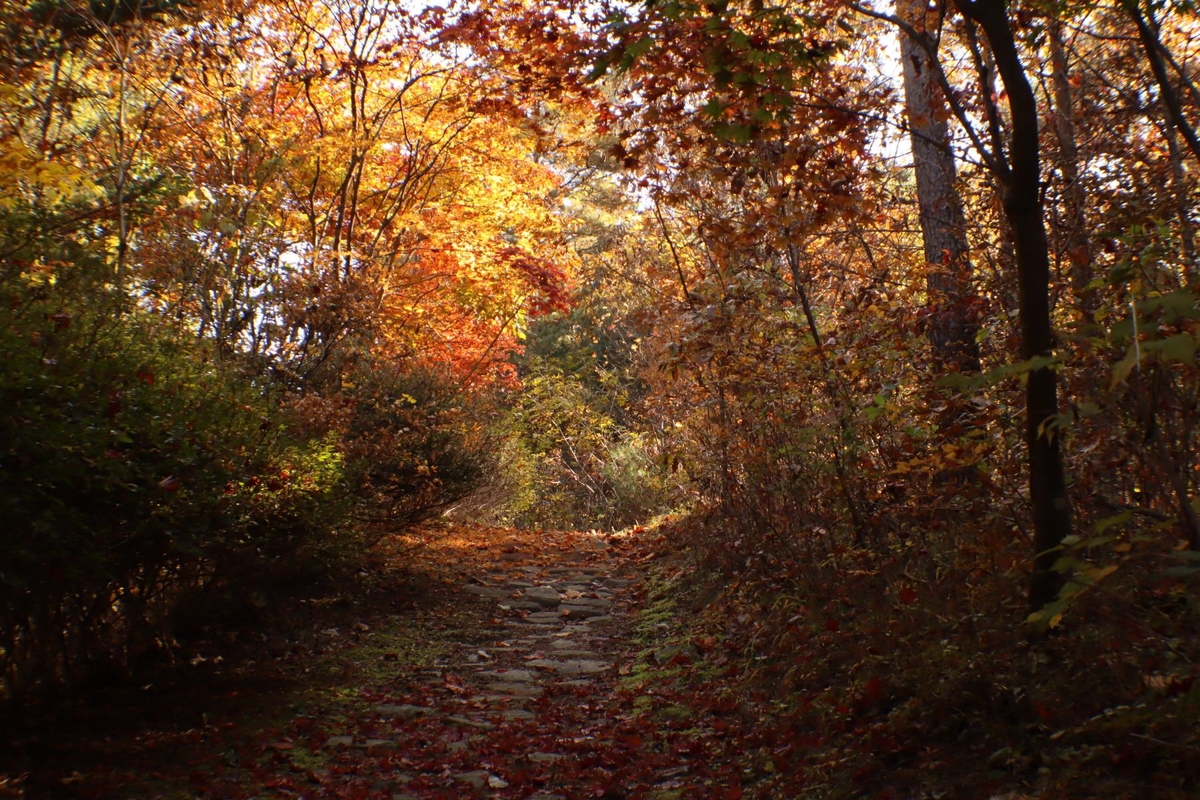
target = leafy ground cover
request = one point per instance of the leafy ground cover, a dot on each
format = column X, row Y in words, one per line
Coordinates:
column 512, row 663
column 490, row 663
column 803, row 682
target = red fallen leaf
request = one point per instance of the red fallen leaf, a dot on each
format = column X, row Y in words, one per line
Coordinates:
column 733, row 793
column 832, row 625
column 280, row 746
column 454, row 683
column 908, row 595
column 874, row 689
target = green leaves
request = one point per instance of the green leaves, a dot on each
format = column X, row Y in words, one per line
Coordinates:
column 1083, row 577
column 1148, row 336
column 1192, row 566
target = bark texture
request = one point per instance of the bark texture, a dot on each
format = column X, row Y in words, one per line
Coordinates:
column 1076, row 242
column 943, row 224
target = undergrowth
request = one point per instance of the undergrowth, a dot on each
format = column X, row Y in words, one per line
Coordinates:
column 864, row 676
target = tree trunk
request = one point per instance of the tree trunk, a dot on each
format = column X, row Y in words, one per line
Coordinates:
column 1022, row 200
column 1076, row 241
column 1153, row 47
column 943, row 224
column 1183, row 204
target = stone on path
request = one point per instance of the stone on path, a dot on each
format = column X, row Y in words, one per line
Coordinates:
column 547, row 596
column 404, row 711
column 598, row 602
column 517, row 715
column 525, row 605
column 545, row 758
column 470, row 723
column 510, row 675
column 371, row 744
column 516, row 689
column 578, row 666
column 574, row 652
column 477, row 779
column 576, row 611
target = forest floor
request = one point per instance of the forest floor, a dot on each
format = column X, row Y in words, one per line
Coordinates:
column 491, row 663
column 473, row 662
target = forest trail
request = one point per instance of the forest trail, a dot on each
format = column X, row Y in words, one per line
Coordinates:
column 525, row 704
column 504, row 668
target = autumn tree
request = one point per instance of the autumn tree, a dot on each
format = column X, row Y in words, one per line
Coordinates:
column 943, row 225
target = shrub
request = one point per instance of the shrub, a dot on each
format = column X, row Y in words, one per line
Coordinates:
column 135, row 466
column 414, row 443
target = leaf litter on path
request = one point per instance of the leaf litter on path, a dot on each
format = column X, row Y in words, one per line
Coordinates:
column 456, row 698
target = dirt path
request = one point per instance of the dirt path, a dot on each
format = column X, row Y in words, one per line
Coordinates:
column 524, row 705
column 509, row 676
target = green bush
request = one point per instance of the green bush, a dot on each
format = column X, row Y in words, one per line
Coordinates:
column 135, row 467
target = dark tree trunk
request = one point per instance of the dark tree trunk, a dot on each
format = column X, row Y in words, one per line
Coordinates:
column 943, row 224
column 1155, row 55
column 1022, row 200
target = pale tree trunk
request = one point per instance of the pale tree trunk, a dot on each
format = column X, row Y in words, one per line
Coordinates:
column 1076, row 242
column 943, row 224
column 1183, row 204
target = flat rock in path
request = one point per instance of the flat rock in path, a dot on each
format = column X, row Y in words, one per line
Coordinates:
column 515, row 689
column 478, row 779
column 491, row 592
column 470, row 723
column 525, row 605
column 546, row 596
column 545, row 758
column 518, row 715
column 543, row 618
column 573, row 610
column 339, row 741
column 588, row 571
column 511, row 675
column 598, row 602
column 374, row 744
column 406, row 711
column 574, row 652
column 571, row 666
